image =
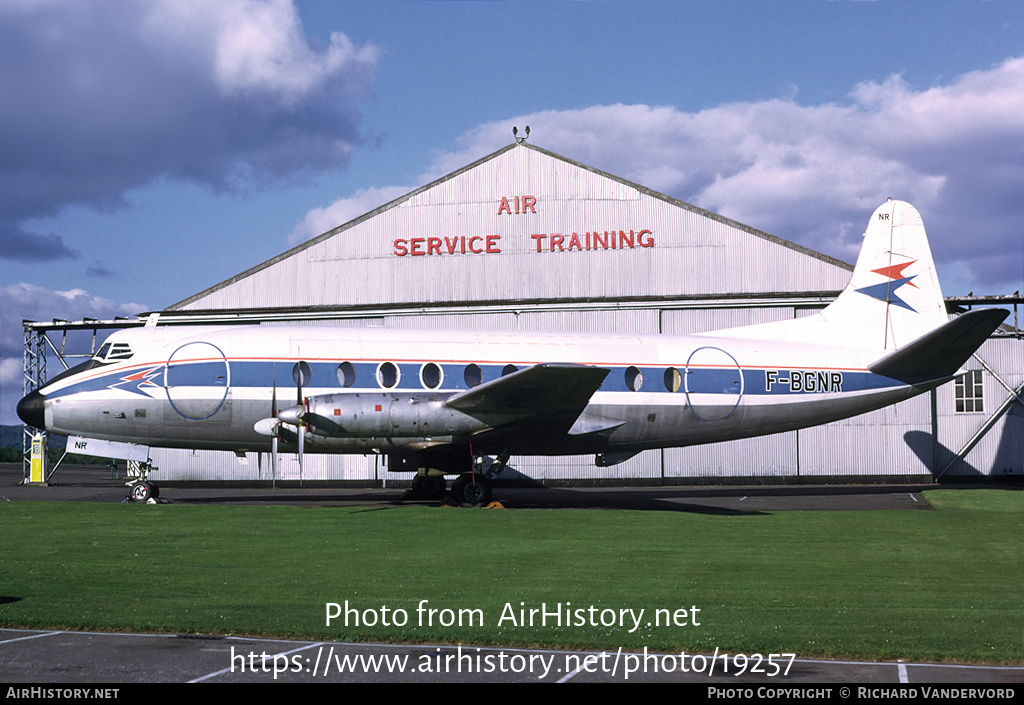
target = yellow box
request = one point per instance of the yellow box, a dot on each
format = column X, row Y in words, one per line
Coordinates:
column 37, row 464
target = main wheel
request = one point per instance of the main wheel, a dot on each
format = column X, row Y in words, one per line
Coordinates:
column 429, row 486
column 474, row 490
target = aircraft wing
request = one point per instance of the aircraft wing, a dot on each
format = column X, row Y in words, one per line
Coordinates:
column 547, row 398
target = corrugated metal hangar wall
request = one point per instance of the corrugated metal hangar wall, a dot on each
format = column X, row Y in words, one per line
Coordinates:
column 527, row 240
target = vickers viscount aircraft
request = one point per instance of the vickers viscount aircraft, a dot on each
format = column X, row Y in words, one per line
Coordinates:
column 434, row 401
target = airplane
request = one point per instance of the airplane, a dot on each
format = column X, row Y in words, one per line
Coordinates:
column 438, row 402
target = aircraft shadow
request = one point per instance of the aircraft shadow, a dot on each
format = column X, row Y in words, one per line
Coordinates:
column 711, row 500
column 636, row 499
column 1006, row 465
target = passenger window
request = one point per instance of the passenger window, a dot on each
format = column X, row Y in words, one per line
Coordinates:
column 431, row 375
column 473, row 376
column 388, row 375
column 673, row 380
column 634, row 379
column 346, row 374
column 302, row 373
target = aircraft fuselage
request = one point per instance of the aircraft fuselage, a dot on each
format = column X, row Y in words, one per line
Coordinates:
column 378, row 390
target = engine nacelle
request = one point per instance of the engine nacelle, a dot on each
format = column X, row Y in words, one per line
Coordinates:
column 386, row 415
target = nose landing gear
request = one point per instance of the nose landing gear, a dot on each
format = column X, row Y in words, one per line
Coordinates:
column 140, row 489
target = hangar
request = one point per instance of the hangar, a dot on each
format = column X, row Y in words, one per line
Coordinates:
column 525, row 239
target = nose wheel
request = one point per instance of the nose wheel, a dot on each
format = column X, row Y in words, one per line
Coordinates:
column 143, row 492
column 140, row 489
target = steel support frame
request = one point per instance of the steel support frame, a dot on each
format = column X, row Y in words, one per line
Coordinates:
column 33, row 376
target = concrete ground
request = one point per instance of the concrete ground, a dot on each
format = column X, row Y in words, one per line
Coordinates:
column 94, row 484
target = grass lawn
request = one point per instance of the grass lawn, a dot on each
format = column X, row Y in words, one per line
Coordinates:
column 922, row 585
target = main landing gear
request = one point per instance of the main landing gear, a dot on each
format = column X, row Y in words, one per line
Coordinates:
column 425, row 486
column 473, row 488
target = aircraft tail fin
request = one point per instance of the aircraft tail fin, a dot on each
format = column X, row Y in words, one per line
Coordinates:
column 893, row 297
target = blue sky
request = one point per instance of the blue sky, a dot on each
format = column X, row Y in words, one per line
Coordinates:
column 150, row 149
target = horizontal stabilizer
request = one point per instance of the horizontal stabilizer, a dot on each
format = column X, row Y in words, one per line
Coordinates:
column 551, row 396
column 939, row 354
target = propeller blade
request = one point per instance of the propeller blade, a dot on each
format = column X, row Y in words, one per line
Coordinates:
column 302, row 443
column 302, row 374
column 273, row 459
column 275, row 429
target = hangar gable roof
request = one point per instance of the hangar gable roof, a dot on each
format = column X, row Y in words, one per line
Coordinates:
column 526, row 224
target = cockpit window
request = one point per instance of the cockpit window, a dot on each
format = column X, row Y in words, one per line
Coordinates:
column 113, row 352
column 120, row 351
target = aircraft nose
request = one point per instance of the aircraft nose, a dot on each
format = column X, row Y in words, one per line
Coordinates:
column 31, row 410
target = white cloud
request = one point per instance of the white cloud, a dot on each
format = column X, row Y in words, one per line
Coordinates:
column 10, row 379
column 813, row 173
column 260, row 46
column 320, row 220
column 29, row 302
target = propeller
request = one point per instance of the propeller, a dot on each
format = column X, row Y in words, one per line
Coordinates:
column 292, row 416
column 276, row 435
column 271, row 426
column 302, row 374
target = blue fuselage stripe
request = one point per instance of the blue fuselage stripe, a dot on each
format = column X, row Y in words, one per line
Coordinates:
column 325, row 375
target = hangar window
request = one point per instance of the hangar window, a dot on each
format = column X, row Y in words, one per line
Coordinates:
column 388, row 375
column 346, row 374
column 431, row 375
column 634, row 379
column 673, row 380
column 969, row 392
column 508, row 369
column 473, row 376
